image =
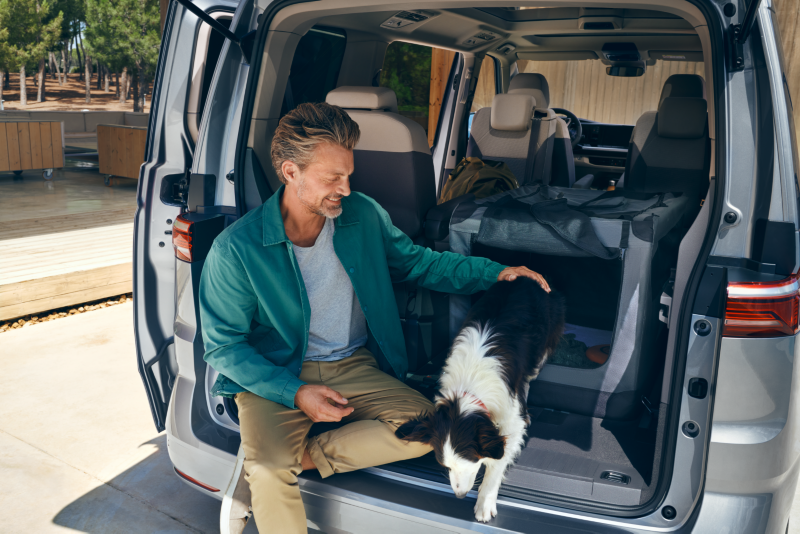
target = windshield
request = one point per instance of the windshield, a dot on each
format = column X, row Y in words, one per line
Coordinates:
column 584, row 88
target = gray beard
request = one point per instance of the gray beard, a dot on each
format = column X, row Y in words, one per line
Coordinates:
column 317, row 210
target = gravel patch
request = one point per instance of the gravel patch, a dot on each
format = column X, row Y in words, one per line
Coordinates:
column 52, row 315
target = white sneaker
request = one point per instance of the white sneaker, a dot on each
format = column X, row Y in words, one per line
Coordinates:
column 236, row 509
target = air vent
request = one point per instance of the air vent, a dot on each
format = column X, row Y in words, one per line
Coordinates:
column 615, row 477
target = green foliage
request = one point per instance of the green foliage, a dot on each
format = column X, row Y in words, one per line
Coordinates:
column 28, row 32
column 407, row 71
column 123, row 33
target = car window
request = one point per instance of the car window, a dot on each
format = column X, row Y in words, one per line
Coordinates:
column 485, row 89
column 584, row 88
column 418, row 76
column 315, row 67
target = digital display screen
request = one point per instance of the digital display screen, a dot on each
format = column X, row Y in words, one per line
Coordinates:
column 607, row 135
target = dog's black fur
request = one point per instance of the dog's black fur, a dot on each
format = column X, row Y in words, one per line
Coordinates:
column 527, row 324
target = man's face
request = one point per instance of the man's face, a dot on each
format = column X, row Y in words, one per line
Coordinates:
column 321, row 186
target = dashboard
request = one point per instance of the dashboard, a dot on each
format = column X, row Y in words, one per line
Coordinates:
column 604, row 144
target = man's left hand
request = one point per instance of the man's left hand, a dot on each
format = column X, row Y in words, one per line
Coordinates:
column 509, row 274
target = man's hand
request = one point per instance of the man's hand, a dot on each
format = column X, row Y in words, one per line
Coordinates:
column 321, row 404
column 509, row 274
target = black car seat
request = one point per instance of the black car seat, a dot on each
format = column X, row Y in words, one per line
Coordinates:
column 669, row 150
column 394, row 166
column 563, row 161
column 515, row 131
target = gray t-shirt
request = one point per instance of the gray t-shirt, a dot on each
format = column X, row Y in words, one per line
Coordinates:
column 338, row 326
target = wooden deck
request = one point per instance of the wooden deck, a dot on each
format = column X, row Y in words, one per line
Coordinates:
column 54, row 258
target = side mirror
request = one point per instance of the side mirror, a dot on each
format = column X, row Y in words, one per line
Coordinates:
column 627, row 72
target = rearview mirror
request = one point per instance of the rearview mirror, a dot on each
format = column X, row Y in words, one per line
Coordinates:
column 628, row 72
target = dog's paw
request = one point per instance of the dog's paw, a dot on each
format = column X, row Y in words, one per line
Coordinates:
column 485, row 509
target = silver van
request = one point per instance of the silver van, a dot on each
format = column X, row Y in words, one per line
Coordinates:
column 666, row 123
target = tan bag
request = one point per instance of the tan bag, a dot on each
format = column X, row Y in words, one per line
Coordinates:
column 482, row 178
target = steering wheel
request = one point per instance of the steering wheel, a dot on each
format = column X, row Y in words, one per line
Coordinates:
column 573, row 125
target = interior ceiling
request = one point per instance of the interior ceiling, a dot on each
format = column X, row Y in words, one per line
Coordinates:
column 530, row 31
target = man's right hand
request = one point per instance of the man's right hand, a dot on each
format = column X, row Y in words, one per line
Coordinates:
column 321, row 404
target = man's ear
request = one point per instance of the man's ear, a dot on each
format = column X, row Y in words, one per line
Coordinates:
column 290, row 170
column 418, row 429
column 490, row 443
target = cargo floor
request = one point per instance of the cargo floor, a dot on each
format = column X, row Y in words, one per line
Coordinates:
column 573, row 456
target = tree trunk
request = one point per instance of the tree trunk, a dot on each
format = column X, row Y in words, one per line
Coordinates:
column 122, row 86
column 128, row 80
column 117, row 85
column 2, row 83
column 63, row 78
column 106, row 79
column 83, row 50
column 88, row 79
column 142, row 85
column 136, row 91
column 40, row 95
column 80, row 58
column 51, row 64
column 23, row 95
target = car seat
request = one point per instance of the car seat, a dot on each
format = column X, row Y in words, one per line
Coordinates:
column 563, row 161
column 394, row 166
column 515, row 131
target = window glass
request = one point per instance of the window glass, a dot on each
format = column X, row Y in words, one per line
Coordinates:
column 215, row 42
column 584, row 88
column 418, row 76
column 486, row 89
column 315, row 67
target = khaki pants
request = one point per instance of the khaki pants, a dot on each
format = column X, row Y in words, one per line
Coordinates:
column 274, row 436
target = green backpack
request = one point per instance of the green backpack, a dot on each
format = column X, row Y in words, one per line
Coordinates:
column 482, row 178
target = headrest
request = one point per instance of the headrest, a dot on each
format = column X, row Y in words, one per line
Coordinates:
column 683, row 85
column 528, row 83
column 512, row 112
column 374, row 98
column 682, row 118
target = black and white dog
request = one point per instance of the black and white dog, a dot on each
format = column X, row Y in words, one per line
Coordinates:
column 481, row 413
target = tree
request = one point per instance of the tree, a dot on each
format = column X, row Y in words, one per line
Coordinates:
column 8, row 52
column 125, row 34
column 33, row 34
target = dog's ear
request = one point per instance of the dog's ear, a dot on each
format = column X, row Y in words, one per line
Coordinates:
column 418, row 429
column 490, row 443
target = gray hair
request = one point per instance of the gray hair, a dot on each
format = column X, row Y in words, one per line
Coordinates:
column 306, row 126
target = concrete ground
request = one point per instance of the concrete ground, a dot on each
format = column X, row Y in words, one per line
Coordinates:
column 78, row 449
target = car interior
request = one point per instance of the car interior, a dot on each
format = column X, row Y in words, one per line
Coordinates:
column 597, row 424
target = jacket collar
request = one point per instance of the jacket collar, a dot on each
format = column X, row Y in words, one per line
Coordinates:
column 273, row 229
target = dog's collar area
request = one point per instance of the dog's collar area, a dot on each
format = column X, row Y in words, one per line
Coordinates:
column 475, row 400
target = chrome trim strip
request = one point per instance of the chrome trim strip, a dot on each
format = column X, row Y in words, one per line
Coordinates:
column 790, row 288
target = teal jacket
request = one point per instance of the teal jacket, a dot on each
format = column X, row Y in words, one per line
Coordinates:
column 253, row 303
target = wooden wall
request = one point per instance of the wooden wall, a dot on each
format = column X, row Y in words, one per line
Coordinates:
column 30, row 145
column 584, row 88
column 788, row 15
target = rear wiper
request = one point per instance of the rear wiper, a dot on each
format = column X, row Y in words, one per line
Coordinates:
column 739, row 34
column 245, row 42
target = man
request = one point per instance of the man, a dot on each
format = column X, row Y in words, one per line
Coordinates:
column 290, row 297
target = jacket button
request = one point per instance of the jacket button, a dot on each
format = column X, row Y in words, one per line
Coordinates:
column 352, row 270
column 365, row 309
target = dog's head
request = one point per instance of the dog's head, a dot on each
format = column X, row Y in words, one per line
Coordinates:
column 461, row 440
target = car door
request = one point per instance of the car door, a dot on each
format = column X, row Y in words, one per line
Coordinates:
column 187, row 60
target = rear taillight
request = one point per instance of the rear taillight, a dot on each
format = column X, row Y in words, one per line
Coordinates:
column 182, row 238
column 195, row 481
column 762, row 309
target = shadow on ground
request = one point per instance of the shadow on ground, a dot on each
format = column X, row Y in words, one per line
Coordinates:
column 146, row 497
